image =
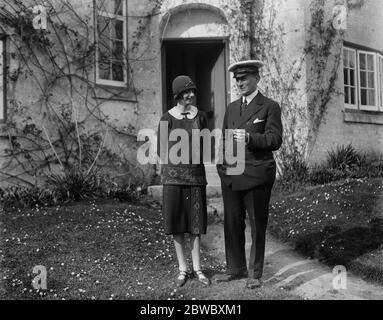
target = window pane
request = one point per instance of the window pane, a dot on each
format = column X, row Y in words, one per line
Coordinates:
column 346, row 92
column 117, row 7
column 371, row 97
column 352, row 59
column 345, row 75
column 104, row 71
column 118, row 73
column 110, row 40
column 352, row 77
column 370, row 62
column 363, row 81
column 371, row 80
column 362, row 61
column 352, row 94
column 2, row 111
column 117, row 31
column 345, row 58
column 118, row 50
column 102, row 25
column 101, row 5
column 103, row 32
column 363, row 97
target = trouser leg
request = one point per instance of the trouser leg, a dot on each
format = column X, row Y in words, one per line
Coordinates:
column 234, row 230
column 257, row 205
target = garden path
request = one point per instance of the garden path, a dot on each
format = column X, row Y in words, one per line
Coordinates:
column 287, row 269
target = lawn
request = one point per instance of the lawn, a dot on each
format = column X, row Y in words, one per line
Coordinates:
column 339, row 223
column 102, row 250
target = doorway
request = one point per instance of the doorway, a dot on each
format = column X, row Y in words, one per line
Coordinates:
column 204, row 61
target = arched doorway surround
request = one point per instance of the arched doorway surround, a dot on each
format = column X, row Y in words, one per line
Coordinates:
column 195, row 42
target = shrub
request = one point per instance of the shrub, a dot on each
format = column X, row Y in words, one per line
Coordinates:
column 346, row 162
column 322, row 175
column 79, row 184
column 126, row 193
column 24, row 197
column 370, row 168
column 294, row 174
column 344, row 157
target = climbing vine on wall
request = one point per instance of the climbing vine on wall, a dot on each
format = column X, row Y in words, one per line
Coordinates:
column 62, row 126
column 304, row 99
column 60, row 63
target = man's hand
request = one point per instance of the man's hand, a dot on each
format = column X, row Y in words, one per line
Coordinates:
column 240, row 135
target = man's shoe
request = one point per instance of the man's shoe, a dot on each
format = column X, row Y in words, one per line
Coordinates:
column 229, row 277
column 252, row 283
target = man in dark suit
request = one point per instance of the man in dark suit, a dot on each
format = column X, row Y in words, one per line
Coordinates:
column 255, row 121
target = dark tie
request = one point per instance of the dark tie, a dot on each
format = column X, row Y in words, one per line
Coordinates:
column 185, row 114
column 243, row 106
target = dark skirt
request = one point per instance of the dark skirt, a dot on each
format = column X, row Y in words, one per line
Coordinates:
column 184, row 209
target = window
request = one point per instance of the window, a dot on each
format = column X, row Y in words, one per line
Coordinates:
column 380, row 72
column 111, row 42
column 2, row 80
column 363, row 79
column 349, row 73
column 367, row 81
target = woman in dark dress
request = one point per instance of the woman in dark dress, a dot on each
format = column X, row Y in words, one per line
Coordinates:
column 184, row 183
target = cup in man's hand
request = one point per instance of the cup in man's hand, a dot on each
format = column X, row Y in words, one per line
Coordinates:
column 239, row 135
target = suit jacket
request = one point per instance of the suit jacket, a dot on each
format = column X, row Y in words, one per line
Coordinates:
column 262, row 120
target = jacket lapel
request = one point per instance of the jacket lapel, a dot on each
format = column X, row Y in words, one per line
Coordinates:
column 254, row 107
column 235, row 114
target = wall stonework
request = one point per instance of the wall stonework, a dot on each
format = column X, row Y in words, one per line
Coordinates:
column 139, row 106
column 364, row 27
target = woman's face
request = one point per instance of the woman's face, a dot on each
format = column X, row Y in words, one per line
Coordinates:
column 187, row 97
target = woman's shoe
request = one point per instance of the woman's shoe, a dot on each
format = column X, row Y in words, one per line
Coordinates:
column 201, row 277
column 182, row 278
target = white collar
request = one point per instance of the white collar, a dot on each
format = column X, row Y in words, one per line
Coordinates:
column 250, row 97
column 175, row 112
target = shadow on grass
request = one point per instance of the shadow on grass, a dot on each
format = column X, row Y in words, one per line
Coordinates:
column 335, row 246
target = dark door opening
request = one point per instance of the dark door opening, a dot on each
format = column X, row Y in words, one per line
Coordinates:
column 205, row 62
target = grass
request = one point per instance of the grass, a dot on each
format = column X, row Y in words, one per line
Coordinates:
column 102, row 250
column 339, row 223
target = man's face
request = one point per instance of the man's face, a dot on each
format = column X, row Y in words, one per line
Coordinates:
column 247, row 84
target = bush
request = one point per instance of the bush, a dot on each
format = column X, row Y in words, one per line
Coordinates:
column 23, row 197
column 346, row 162
column 78, row 184
column 370, row 168
column 322, row 175
column 294, row 175
column 126, row 193
column 66, row 188
column 344, row 157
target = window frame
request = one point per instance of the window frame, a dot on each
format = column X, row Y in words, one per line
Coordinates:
column 3, row 78
column 378, row 78
column 122, row 18
column 380, row 81
column 355, row 105
column 368, row 107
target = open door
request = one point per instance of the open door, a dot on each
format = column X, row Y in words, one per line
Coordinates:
column 205, row 62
